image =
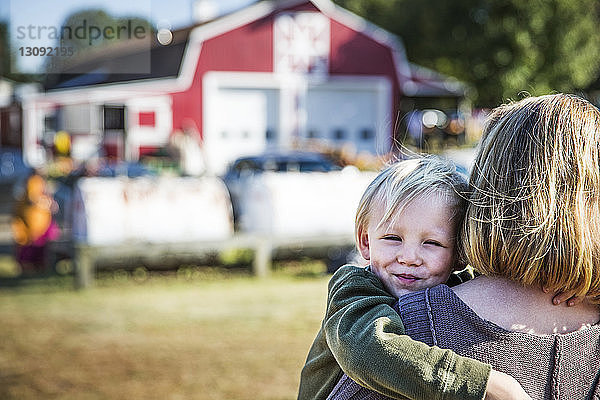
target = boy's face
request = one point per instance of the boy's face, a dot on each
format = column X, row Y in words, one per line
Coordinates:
column 414, row 252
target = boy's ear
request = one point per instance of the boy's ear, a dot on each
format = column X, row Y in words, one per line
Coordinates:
column 363, row 244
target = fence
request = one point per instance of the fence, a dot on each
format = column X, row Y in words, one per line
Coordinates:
column 159, row 218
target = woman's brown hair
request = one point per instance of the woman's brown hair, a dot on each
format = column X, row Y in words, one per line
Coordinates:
column 534, row 214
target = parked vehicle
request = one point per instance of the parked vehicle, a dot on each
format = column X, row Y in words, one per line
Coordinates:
column 13, row 171
column 241, row 170
column 280, row 161
column 250, row 197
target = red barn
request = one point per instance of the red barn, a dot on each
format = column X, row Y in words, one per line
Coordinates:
column 274, row 74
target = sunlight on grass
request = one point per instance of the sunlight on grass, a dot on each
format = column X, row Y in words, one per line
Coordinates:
column 8, row 266
column 209, row 334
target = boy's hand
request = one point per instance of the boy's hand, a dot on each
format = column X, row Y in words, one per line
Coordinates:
column 504, row 387
column 568, row 297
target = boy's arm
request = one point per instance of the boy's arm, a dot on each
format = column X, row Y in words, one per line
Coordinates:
column 367, row 338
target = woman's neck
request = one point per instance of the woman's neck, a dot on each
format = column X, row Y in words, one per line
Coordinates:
column 523, row 308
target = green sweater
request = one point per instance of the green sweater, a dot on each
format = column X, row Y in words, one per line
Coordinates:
column 363, row 335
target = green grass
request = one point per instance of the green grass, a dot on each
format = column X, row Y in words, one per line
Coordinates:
column 8, row 266
column 196, row 334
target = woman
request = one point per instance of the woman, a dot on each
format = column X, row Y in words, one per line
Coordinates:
column 532, row 228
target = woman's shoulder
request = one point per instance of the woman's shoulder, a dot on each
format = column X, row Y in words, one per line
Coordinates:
column 531, row 310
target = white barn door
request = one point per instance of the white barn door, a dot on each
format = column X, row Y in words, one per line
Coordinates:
column 239, row 121
column 346, row 112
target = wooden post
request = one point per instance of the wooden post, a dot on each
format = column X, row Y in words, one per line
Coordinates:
column 263, row 254
column 84, row 267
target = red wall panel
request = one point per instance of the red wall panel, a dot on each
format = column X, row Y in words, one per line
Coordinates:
column 147, row 118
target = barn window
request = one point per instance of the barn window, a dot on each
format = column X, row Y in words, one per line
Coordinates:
column 270, row 134
column 367, row 134
column 312, row 133
column 114, row 118
column 50, row 123
column 339, row 134
column 246, row 168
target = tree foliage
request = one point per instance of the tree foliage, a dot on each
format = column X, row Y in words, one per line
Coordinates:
column 500, row 47
column 6, row 61
column 89, row 30
column 8, row 66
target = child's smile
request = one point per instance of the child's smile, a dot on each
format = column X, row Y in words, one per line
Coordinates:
column 406, row 279
column 416, row 249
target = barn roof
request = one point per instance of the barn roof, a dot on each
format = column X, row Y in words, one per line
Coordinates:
column 101, row 67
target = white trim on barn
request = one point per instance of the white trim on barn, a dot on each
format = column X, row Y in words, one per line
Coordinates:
column 156, row 134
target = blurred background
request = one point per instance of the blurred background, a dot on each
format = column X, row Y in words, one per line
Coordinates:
column 178, row 179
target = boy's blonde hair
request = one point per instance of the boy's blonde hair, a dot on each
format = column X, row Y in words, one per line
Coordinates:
column 401, row 182
column 534, row 215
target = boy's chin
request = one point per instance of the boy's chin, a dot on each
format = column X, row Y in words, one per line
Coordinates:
column 399, row 292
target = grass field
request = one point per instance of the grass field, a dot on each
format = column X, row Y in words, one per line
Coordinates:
column 199, row 334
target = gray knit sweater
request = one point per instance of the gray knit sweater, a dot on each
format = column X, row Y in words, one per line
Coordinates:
column 557, row 367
